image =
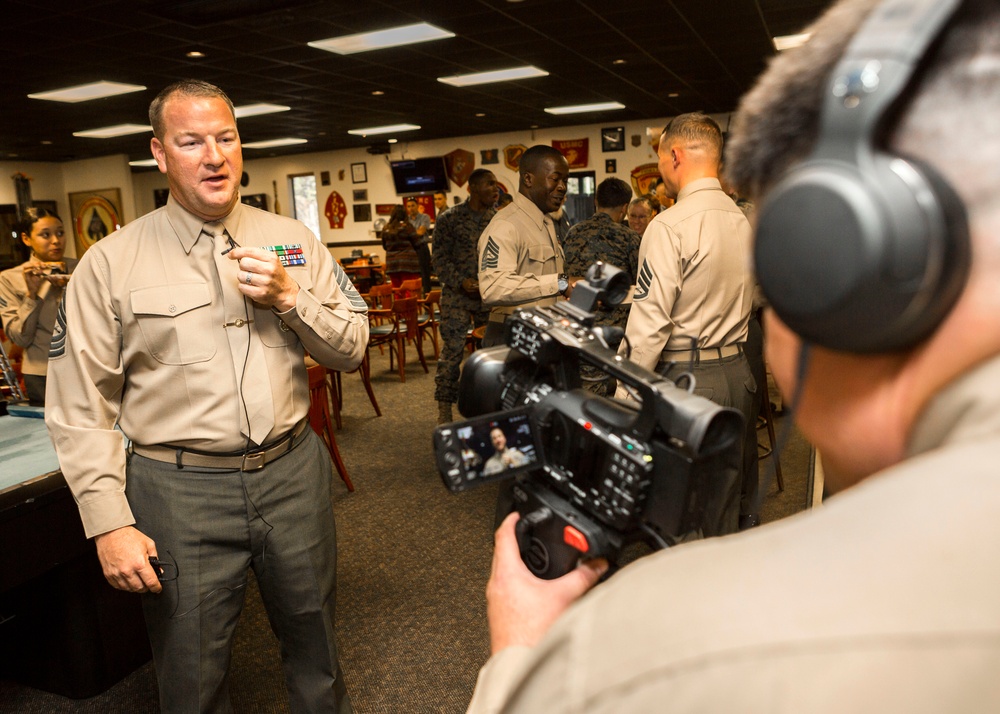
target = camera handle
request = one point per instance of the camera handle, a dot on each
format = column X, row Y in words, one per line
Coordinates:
column 553, row 535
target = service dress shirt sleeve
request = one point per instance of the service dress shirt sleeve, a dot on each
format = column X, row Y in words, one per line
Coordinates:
column 19, row 312
column 86, row 376
column 329, row 317
column 512, row 270
column 657, row 288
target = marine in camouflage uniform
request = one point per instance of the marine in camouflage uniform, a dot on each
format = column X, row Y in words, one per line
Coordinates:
column 456, row 262
column 602, row 237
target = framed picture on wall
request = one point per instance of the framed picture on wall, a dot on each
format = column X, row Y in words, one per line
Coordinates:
column 360, row 195
column 613, row 138
column 362, row 212
column 359, row 173
column 96, row 214
column 257, row 200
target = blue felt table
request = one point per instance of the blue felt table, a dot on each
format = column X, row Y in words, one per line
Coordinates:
column 26, row 451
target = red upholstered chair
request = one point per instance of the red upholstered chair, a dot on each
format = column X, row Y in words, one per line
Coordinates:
column 402, row 329
column 409, row 288
column 365, row 370
column 430, row 316
column 320, row 399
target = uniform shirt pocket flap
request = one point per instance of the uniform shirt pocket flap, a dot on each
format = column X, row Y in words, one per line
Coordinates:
column 170, row 300
column 541, row 253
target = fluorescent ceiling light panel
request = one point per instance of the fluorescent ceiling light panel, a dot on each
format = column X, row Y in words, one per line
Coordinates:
column 144, row 162
column 499, row 75
column 271, row 143
column 86, row 92
column 252, row 110
column 579, row 108
column 787, row 42
column 393, row 37
column 391, row 129
column 108, row 132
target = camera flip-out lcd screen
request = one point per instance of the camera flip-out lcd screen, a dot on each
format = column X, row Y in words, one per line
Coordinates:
column 489, row 447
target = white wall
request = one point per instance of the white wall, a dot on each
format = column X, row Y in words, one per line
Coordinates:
column 55, row 181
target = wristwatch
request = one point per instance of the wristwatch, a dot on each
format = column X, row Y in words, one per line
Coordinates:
column 563, row 283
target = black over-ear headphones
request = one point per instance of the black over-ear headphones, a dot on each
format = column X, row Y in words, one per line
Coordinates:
column 859, row 249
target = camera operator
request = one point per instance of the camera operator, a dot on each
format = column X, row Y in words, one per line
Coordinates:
column 882, row 599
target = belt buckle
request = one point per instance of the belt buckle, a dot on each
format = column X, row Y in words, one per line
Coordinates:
column 253, row 462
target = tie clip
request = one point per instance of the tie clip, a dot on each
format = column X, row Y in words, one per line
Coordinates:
column 239, row 322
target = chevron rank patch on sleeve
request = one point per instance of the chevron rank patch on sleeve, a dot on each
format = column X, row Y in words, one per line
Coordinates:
column 643, row 282
column 491, row 255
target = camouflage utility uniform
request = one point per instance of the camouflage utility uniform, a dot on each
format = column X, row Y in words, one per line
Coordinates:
column 456, row 259
column 600, row 238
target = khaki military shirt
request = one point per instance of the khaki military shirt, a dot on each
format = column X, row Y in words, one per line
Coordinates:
column 884, row 599
column 519, row 258
column 695, row 278
column 140, row 343
column 28, row 322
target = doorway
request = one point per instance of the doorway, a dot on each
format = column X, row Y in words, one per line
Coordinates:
column 580, row 189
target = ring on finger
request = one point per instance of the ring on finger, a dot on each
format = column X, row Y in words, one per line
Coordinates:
column 249, row 278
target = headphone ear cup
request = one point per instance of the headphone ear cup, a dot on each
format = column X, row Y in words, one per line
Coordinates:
column 862, row 260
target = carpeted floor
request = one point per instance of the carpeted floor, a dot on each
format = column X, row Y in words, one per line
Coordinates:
column 413, row 564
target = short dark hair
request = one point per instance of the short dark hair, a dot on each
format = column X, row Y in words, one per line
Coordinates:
column 479, row 175
column 411, row 199
column 533, row 157
column 440, row 193
column 185, row 88
column 613, row 192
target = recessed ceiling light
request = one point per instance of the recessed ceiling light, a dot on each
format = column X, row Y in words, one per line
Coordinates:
column 673, row 95
column 108, row 132
column 144, row 162
column 46, row 142
column 377, row 93
column 480, row 114
column 498, row 75
column 787, row 42
column 86, row 92
column 579, row 108
column 195, row 54
column 390, row 129
column 391, row 141
column 271, row 143
column 252, row 110
column 392, row 37
column 620, row 61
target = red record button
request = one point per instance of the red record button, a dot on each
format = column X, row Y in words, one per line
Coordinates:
column 576, row 539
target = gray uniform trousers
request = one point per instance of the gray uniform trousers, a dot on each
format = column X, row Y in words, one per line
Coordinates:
column 728, row 382
column 215, row 524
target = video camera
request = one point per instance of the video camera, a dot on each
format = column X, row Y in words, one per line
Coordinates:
column 592, row 474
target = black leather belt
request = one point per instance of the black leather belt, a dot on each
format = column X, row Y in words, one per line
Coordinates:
column 706, row 354
column 250, row 461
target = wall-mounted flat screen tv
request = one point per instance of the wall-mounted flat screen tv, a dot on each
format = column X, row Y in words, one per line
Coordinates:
column 419, row 175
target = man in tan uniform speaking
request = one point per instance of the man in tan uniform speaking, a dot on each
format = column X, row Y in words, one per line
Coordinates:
column 695, row 287
column 520, row 259
column 887, row 597
column 187, row 329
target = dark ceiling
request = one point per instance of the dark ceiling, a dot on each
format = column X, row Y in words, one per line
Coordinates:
column 706, row 52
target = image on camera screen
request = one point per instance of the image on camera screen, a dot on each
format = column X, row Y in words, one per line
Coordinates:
column 495, row 445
